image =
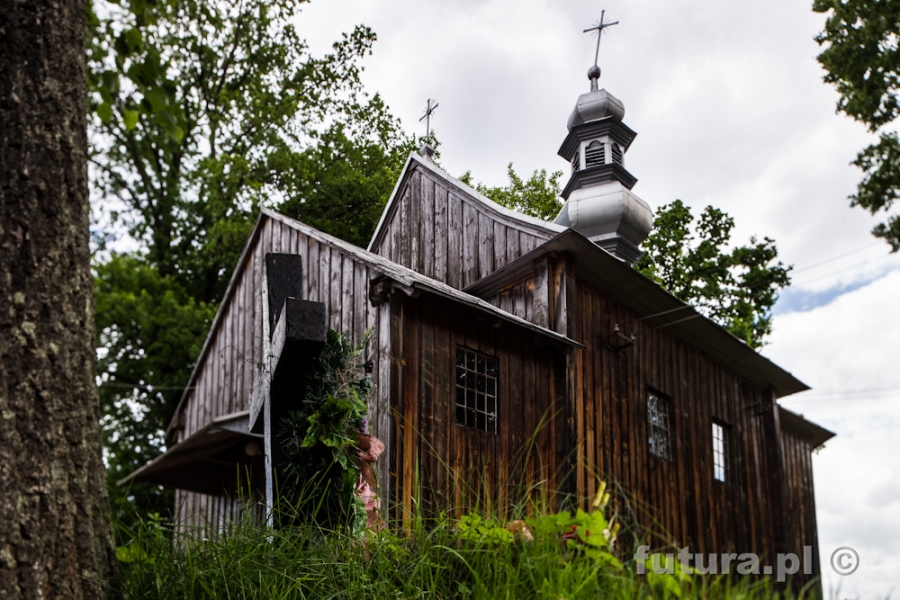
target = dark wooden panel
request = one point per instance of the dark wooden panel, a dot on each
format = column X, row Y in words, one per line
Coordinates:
column 462, row 467
column 441, row 230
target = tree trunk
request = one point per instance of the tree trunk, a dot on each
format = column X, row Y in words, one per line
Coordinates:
column 55, row 536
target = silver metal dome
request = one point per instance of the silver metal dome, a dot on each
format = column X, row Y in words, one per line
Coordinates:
column 595, row 105
column 611, row 216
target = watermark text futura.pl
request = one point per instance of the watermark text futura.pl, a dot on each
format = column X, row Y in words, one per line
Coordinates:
column 743, row 564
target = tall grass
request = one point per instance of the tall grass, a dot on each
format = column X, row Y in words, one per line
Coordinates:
column 466, row 552
column 428, row 559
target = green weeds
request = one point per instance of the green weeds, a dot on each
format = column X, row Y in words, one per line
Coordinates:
column 552, row 556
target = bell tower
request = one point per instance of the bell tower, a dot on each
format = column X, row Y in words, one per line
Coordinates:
column 599, row 201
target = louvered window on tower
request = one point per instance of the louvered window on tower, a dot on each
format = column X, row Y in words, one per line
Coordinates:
column 616, row 153
column 594, row 155
column 575, row 162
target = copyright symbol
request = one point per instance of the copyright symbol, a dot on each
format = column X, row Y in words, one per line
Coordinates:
column 844, row 560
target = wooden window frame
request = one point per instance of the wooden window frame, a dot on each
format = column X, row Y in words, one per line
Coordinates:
column 659, row 425
column 721, row 454
column 477, row 390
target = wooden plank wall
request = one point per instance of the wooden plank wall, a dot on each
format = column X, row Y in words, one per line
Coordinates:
column 442, row 232
column 224, row 380
column 440, row 464
column 678, row 501
column 801, row 502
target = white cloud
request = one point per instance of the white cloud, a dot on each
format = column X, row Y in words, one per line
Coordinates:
column 846, row 350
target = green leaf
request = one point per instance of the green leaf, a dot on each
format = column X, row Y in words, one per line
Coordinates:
column 129, row 118
column 233, row 110
column 134, row 40
column 862, row 60
column 104, row 111
column 131, row 553
column 176, row 133
column 157, row 98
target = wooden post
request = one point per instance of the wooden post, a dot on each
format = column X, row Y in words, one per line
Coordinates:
column 295, row 336
column 776, row 480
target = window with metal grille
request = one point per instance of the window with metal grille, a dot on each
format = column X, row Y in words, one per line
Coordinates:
column 594, row 154
column 575, row 162
column 658, row 425
column 720, row 451
column 616, row 153
column 476, row 390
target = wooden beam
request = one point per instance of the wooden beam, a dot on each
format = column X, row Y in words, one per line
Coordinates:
column 542, row 285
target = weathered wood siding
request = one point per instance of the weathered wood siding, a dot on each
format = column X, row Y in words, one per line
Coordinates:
column 453, row 466
column 225, row 376
column 441, row 231
column 675, row 501
column 800, row 497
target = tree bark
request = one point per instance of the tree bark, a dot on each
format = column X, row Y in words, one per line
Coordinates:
column 55, row 536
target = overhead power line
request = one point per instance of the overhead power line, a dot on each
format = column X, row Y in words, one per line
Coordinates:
column 838, row 257
column 850, row 268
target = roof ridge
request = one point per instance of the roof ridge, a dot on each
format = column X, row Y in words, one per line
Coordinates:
column 509, row 213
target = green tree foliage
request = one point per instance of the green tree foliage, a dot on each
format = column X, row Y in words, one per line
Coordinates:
column 202, row 112
column 736, row 288
column 538, row 196
column 150, row 332
column 319, row 440
column 861, row 55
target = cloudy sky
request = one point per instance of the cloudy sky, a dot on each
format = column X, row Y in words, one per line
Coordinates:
column 731, row 110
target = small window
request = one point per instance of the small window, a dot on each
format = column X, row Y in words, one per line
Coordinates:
column 616, row 153
column 575, row 160
column 595, row 154
column 476, row 390
column 720, row 451
column 658, row 420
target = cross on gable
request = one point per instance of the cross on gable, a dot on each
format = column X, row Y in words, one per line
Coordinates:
column 429, row 110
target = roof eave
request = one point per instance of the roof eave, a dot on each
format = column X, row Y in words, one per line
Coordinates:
column 795, row 423
column 648, row 298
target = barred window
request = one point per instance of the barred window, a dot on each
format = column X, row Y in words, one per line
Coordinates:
column 476, row 390
column 720, row 451
column 658, row 425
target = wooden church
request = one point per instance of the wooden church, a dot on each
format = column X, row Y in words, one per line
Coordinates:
column 510, row 356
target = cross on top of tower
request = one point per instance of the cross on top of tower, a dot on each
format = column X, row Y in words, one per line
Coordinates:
column 599, row 27
column 429, row 110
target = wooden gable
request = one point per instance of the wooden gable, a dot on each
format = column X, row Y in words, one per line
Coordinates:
column 438, row 226
column 335, row 273
column 222, row 381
